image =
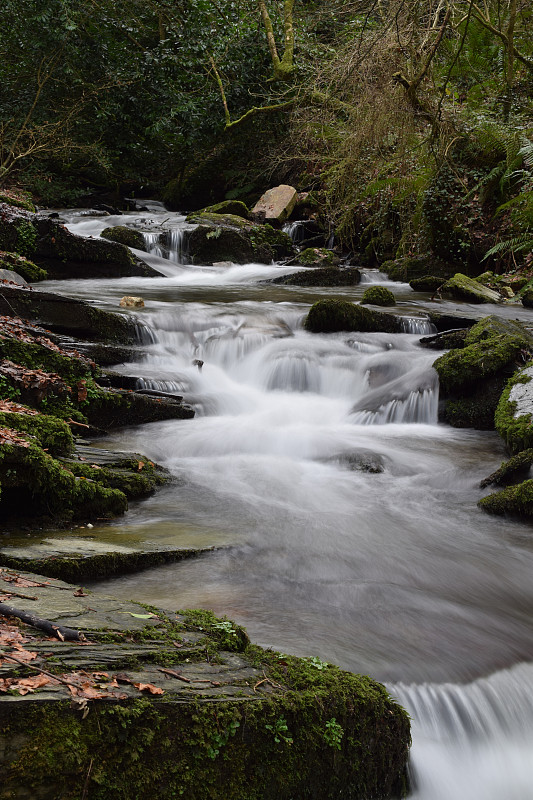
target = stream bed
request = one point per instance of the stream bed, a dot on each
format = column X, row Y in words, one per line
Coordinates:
column 345, row 513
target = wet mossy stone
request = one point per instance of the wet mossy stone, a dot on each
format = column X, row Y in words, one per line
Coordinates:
column 512, row 471
column 227, row 237
column 492, row 347
column 378, row 296
column 23, row 266
column 527, row 298
column 515, row 501
column 329, row 316
column 50, row 433
column 317, row 257
column 475, row 409
column 124, row 235
column 17, row 199
column 34, row 355
column 428, row 283
column 36, row 485
column 514, row 414
column 461, row 287
column 110, row 408
column 328, row 276
column 446, row 340
column 67, row 315
column 234, row 207
column 408, row 267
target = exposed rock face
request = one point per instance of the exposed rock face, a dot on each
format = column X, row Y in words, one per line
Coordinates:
column 130, row 301
column 409, row 267
column 326, row 276
column 461, row 287
column 63, row 254
column 317, row 257
column 428, row 283
column 276, row 204
column 514, row 415
column 329, row 316
column 515, row 469
column 236, row 207
column 227, row 237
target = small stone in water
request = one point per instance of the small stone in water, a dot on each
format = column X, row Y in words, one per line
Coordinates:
column 128, row 301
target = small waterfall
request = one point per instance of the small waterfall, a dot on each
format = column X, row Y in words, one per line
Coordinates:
column 374, row 276
column 419, row 406
column 171, row 244
column 296, row 230
column 144, row 333
column 474, row 741
column 153, row 245
column 419, row 325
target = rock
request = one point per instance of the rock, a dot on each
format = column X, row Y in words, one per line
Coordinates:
column 130, row 301
column 409, row 267
column 125, row 235
column 22, row 266
column 515, row 501
column 328, row 316
column 514, row 470
column 276, row 204
column 317, row 257
column 193, row 708
column 63, row 254
column 12, row 277
column 328, row 276
column 527, row 299
column 514, row 415
column 226, row 237
column 378, row 296
column 461, row 287
column 223, row 264
column 114, row 408
column 472, row 378
column 428, row 283
column 236, row 207
column 66, row 315
column 447, row 340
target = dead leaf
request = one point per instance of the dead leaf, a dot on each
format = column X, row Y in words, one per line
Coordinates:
column 148, row 687
column 80, row 593
column 140, row 465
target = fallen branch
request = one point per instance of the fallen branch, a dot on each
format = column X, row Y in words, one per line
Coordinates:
column 65, row 634
column 41, row 670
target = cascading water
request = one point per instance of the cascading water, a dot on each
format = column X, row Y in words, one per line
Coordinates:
column 350, row 511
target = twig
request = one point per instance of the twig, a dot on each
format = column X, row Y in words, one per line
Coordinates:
column 18, row 594
column 41, row 670
column 65, row 634
column 174, row 674
column 86, row 784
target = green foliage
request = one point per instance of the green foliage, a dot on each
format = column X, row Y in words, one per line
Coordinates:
column 378, row 296
column 280, row 731
column 333, row 734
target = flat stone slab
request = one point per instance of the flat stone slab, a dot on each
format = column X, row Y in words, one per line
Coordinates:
column 522, row 395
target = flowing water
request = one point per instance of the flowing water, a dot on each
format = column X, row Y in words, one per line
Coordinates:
column 346, row 514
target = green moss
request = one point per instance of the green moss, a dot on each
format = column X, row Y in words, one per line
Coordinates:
column 317, row 257
column 427, row 283
column 461, row 287
column 461, row 368
column 409, row 267
column 26, row 238
column 27, row 269
column 35, row 355
column 226, row 634
column 17, row 198
column 328, row 276
column 234, row 207
column 517, row 432
column 134, row 484
column 52, row 434
column 328, row 316
column 124, row 235
column 516, row 468
column 378, row 296
column 515, row 501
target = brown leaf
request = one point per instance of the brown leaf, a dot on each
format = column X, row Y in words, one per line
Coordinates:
column 148, row 687
column 80, row 593
column 140, row 466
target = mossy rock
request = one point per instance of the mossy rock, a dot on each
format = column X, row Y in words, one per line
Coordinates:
column 527, row 299
column 329, row 316
column 125, row 235
column 234, row 207
column 52, row 434
column 35, row 355
column 515, row 501
column 514, row 414
column 461, row 287
column 427, row 283
column 514, row 470
column 517, row 284
column 408, row 267
column 227, row 237
column 317, row 257
column 35, row 485
column 110, row 408
column 378, row 296
column 17, row 198
column 476, row 409
column 447, row 340
column 328, row 276
column 23, row 266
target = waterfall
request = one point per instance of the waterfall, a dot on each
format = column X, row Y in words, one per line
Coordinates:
column 296, row 230
column 170, row 244
column 419, row 406
column 419, row 325
column 473, row 741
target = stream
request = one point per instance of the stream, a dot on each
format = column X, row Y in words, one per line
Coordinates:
column 344, row 514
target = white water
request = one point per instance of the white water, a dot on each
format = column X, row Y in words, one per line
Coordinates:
column 393, row 571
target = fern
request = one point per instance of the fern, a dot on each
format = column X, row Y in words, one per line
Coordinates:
column 517, row 244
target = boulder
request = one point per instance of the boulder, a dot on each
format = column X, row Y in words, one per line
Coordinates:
column 461, row 287
column 63, row 254
column 22, row 266
column 378, row 296
column 514, row 470
column 276, row 204
column 130, row 301
column 317, row 257
column 227, row 237
column 12, row 277
column 428, row 283
column 125, row 235
column 527, row 298
column 329, row 316
column 67, row 315
column 235, row 207
column 515, row 501
column 514, row 414
column 328, row 276
column 408, row 267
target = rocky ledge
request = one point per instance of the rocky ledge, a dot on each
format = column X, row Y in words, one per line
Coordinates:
column 104, row 698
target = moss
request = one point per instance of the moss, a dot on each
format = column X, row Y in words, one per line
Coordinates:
column 462, row 368
column 461, row 287
column 133, row 484
column 527, row 299
column 234, row 207
column 317, row 257
column 517, row 432
column 227, row 237
column 17, row 198
column 427, row 283
column 226, row 634
column 27, row 269
column 328, row 316
column 26, row 238
column 378, row 296
column 124, row 235
column 52, row 434
column 515, row 501
column 35, row 355
column 328, row 276
column 409, row 267
column 515, row 469
column 35, row 484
